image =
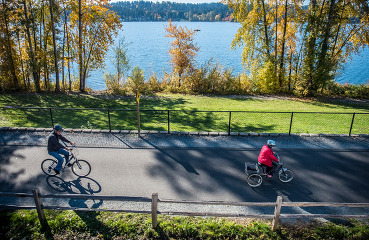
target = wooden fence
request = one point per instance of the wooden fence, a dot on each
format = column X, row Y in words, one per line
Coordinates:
column 39, row 206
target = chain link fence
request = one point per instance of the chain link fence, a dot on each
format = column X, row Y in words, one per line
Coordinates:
column 188, row 121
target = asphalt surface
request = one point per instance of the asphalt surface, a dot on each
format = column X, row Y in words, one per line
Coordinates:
column 191, row 167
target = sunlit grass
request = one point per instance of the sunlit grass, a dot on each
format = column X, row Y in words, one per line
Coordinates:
column 24, row 224
column 187, row 113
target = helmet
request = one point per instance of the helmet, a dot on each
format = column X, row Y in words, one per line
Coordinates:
column 58, row 127
column 271, row 143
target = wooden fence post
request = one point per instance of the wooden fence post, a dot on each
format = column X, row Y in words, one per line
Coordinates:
column 40, row 211
column 154, row 210
column 277, row 211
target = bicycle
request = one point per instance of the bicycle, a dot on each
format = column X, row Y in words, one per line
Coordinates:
column 255, row 173
column 79, row 167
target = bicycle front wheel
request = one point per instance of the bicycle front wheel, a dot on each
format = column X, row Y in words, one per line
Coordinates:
column 254, row 180
column 81, row 168
column 286, row 175
column 48, row 166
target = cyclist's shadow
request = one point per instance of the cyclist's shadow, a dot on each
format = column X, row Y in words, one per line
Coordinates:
column 81, row 185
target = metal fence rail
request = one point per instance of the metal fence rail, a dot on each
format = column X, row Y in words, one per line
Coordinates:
column 39, row 206
column 187, row 120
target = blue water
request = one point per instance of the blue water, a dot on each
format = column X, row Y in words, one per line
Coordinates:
column 148, row 48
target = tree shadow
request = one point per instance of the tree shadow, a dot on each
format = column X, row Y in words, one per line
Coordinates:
column 189, row 168
column 320, row 175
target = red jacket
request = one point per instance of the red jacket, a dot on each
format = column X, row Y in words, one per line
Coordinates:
column 266, row 156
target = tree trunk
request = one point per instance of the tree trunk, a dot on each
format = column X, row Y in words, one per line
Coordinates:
column 281, row 65
column 57, row 83
column 68, row 62
column 36, row 77
column 266, row 30
column 9, row 48
column 81, row 70
column 324, row 63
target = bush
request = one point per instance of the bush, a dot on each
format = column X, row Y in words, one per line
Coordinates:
column 136, row 81
column 113, row 85
column 346, row 90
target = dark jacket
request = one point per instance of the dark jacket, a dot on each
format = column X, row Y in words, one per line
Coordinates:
column 53, row 144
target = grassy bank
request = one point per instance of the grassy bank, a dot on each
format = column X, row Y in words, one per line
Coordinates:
column 185, row 119
column 24, row 224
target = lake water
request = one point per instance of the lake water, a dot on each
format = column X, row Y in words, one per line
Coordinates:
column 148, row 48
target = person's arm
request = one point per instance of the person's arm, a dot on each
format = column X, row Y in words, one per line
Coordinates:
column 66, row 140
column 271, row 155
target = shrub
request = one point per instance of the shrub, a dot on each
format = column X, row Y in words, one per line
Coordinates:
column 113, row 85
column 136, row 81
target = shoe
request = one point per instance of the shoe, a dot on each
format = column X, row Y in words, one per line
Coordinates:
column 69, row 164
column 56, row 171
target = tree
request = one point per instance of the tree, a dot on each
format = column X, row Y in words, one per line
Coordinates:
column 183, row 50
column 334, row 30
column 7, row 55
column 114, row 82
column 96, row 26
column 121, row 61
column 31, row 42
column 57, row 84
column 136, row 81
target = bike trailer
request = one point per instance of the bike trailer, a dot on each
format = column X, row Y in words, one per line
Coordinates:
column 251, row 168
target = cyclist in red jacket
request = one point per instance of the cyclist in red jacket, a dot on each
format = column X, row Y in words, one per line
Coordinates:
column 267, row 158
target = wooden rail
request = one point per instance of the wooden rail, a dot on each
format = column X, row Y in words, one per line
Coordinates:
column 39, row 206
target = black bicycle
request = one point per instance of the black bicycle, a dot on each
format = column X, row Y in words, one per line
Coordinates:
column 79, row 167
column 255, row 173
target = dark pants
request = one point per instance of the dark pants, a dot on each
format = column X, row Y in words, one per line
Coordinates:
column 270, row 170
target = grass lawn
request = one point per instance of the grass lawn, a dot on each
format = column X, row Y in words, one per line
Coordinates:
column 24, row 224
column 185, row 115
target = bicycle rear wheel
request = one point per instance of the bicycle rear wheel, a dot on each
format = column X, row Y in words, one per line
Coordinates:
column 48, row 166
column 254, row 180
column 81, row 168
column 286, row 175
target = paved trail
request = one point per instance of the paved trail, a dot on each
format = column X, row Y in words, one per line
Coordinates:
column 190, row 167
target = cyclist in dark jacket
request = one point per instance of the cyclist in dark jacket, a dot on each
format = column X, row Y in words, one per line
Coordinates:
column 56, row 149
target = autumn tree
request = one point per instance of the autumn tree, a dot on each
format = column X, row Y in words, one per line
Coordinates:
column 136, row 81
column 8, row 65
column 334, row 30
column 56, row 65
column 96, row 26
column 183, row 50
column 268, row 36
column 279, row 60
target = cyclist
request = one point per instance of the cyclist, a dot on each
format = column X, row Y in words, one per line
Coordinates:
column 267, row 159
column 56, row 149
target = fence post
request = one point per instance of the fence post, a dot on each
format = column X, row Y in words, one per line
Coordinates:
column 352, row 123
column 40, row 211
column 138, row 112
column 154, row 210
column 277, row 211
column 51, row 116
column 229, row 123
column 168, row 121
column 109, row 120
column 289, row 133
